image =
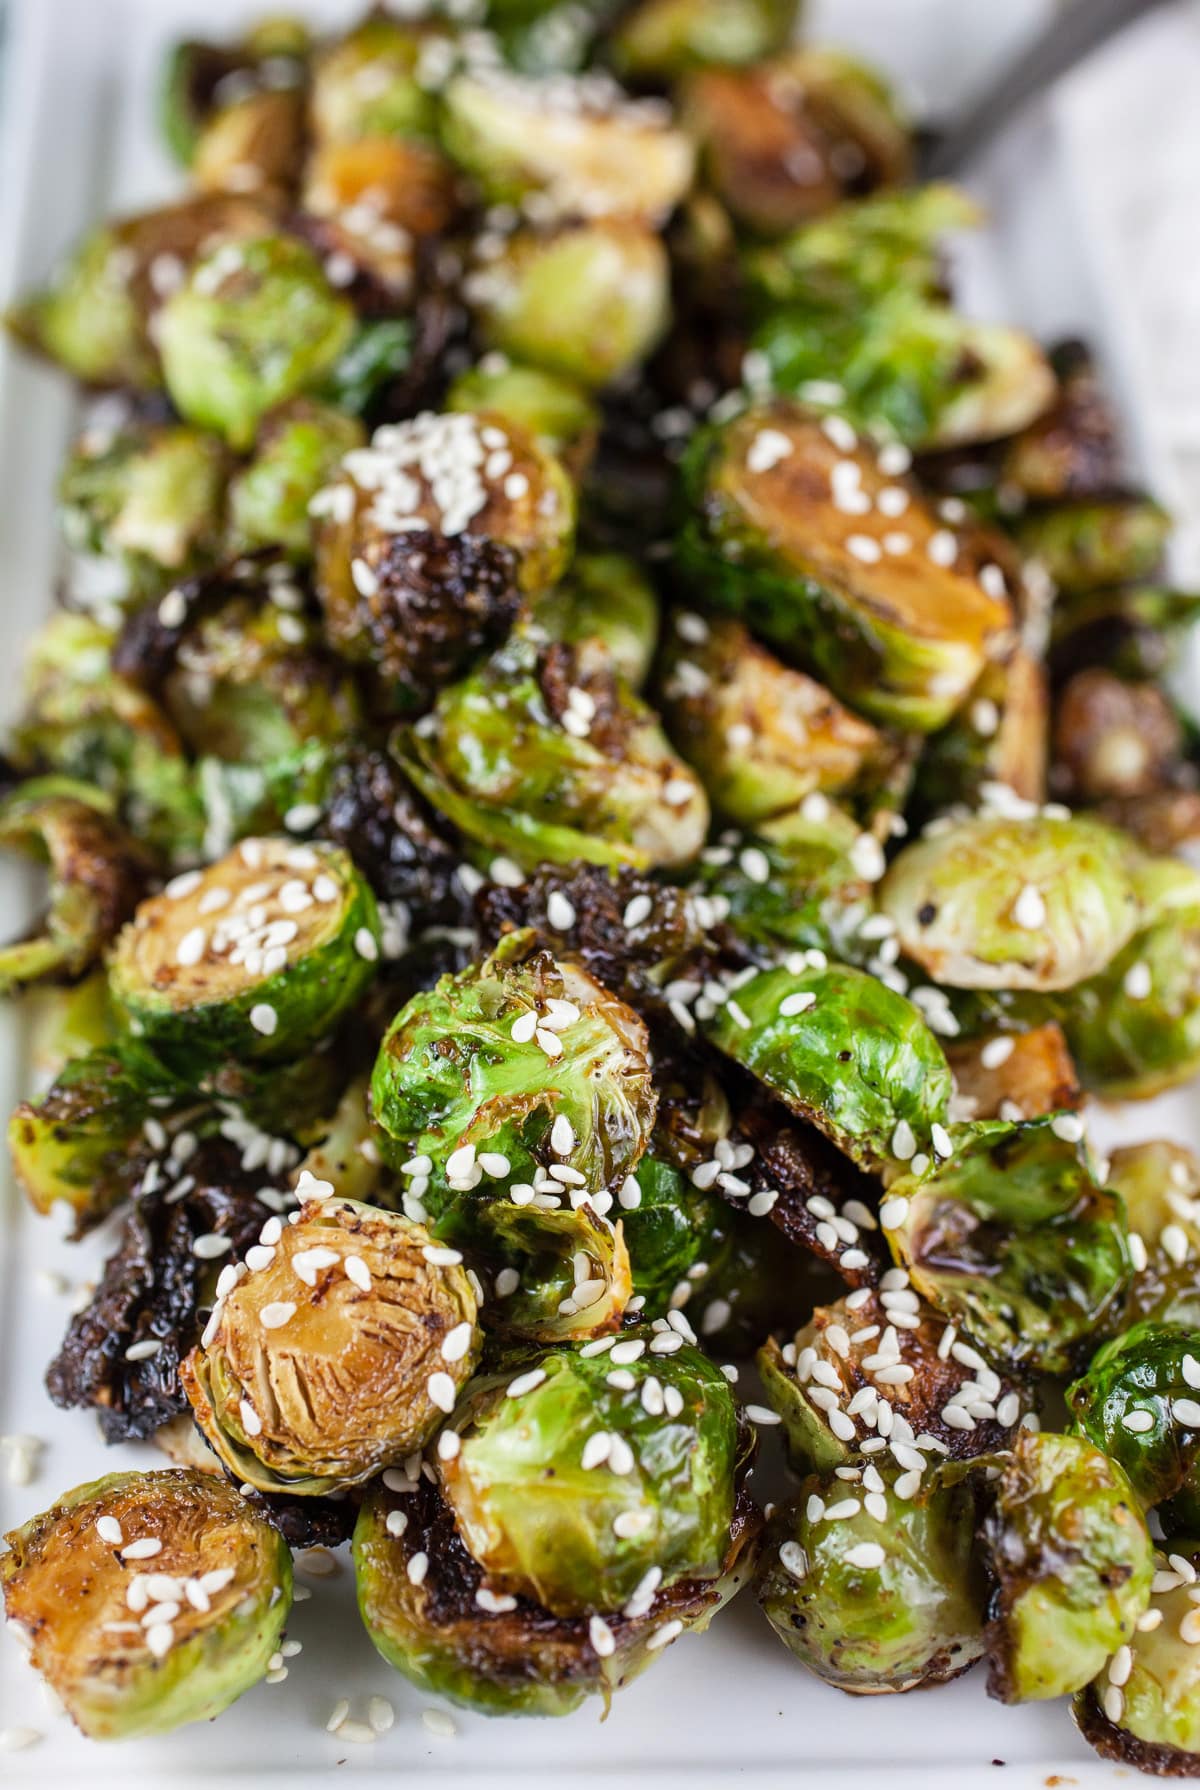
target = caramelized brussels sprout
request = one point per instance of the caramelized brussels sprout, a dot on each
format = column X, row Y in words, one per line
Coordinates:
column 151, row 498
column 662, row 39
column 1159, row 1182
column 873, row 602
column 1022, row 1075
column 1137, row 1402
column 97, row 873
column 842, row 1051
column 587, row 301
column 796, row 884
column 1072, row 450
column 291, row 943
column 1041, row 902
column 1072, row 1561
column 872, row 1591
column 203, row 83
column 254, row 324
column 1087, row 543
column 336, row 1356
column 560, row 416
column 1134, row 1028
column 544, row 755
column 298, row 450
column 606, row 597
column 255, row 143
column 370, row 82
column 1013, row 1239
column 133, row 1652
column 583, row 147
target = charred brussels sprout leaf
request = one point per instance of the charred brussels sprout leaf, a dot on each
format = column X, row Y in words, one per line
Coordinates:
column 902, row 636
column 1074, row 449
column 1024, row 1074
column 1141, row 1709
column 255, row 324
column 1073, row 1561
column 887, row 1599
column 150, row 498
column 1014, row 1240
column 1139, row 1376
column 299, row 448
column 284, row 945
column 201, row 81
column 842, row 1051
column 1114, row 739
column 80, row 1600
column 1092, row 542
column 338, row 1356
column 550, row 1514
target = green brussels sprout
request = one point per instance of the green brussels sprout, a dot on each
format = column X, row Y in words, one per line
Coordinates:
column 1141, row 1709
column 299, row 448
column 65, row 1023
column 203, row 83
column 97, row 874
column 820, row 1384
column 1159, row 1182
column 87, row 319
column 584, row 148
column 762, row 735
column 662, row 39
column 1073, row 1563
column 1000, row 737
column 796, row 883
column 842, row 1051
column 1038, row 902
column 84, row 1142
column 877, row 613
column 132, row 1652
column 291, row 945
column 450, row 474
column 1014, row 1240
column 504, row 1151
column 255, row 323
column 887, row 1595
column 606, row 597
column 679, row 1237
column 559, row 415
column 448, row 1631
column 151, row 498
column 1137, row 1402
column 380, row 353
column 568, row 1489
column 1092, row 542
column 1134, row 1028
column 370, row 83
column 587, row 301
column 544, row 754
column 306, row 1391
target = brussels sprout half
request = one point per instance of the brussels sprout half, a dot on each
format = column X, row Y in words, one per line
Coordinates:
column 135, row 1650
column 872, row 1591
column 299, row 448
column 1072, row 1561
column 1093, row 542
column 1017, row 1075
column 369, row 82
column 606, row 597
column 1013, row 1238
column 885, row 607
column 1138, row 1403
column 1159, row 1182
column 1134, row 1028
column 202, row 81
column 151, row 498
column 680, row 1238
column 560, row 416
column 335, row 1356
column 842, row 1051
column 253, row 958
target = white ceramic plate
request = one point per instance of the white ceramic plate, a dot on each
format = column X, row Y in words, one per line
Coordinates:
column 79, row 140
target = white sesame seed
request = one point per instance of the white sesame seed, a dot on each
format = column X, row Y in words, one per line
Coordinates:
column 264, row 1018
column 1138, row 1422
column 1029, row 909
column 417, row 1568
column 892, row 1213
column 662, row 1636
column 143, row 1549
column 601, row 1636
column 867, row 1555
column 1187, row 1412
column 109, row 1530
column 525, row 1382
column 996, row 1052
column 1114, row 1703
column 559, row 912
column 396, row 1522
column 277, row 1314
column 1068, row 1126
column 440, row 1257
column 794, row 1004
column 762, row 1414
column 436, row 1721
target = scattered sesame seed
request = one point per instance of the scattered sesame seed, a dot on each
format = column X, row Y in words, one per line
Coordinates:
column 436, row 1721
column 1029, row 909
column 867, row 1555
column 264, row 1018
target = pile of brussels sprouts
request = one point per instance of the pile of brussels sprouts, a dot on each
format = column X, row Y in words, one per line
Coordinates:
column 610, row 788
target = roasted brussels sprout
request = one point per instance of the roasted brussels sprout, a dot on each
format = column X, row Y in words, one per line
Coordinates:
column 1135, row 631
column 872, row 1591
column 661, row 39
column 1159, row 1183
column 369, row 83
column 882, row 614
column 1072, row 1561
column 131, row 1652
column 560, row 416
column 1014, row 1075
column 517, row 1098
column 1090, row 542
column 298, row 450
column 1134, row 1028
column 679, row 1237
column 606, row 597
column 999, row 737
column 544, row 755
column 842, row 1051
column 97, row 873
column 204, row 82
column 255, row 323
column 306, row 1391
column 797, row 884
column 1012, row 1237
column 1073, row 449
column 1136, row 1401
column 583, row 147
column 291, row 945
column 1038, row 902
column 587, row 301
column 151, row 498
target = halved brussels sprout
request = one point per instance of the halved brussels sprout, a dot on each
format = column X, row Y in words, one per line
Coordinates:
column 1014, row 1074
column 1114, row 739
column 544, row 755
column 843, row 1052
column 872, row 600
column 1072, row 1560
column 824, row 1386
column 517, row 1097
column 795, row 884
column 1073, row 450
column 370, row 82
column 1134, row 1028
column 150, row 497
column 1141, row 1709
column 131, row 1650
column 205, row 82
column 1040, row 902
column 298, row 450
column 1091, row 542
column 97, row 874
column 254, row 958
column 336, row 1356
column 1137, row 1402
column 1136, row 631
column 254, row 324
column 606, row 597
column 575, row 1476
column 446, row 1629
column 255, row 143
column 583, row 147
column 585, row 300
column 999, row 736
column 1159, row 1182
column 680, row 1238
column 871, row 1591
column 661, row 39
column 761, row 735
column 1013, row 1238
column 561, row 417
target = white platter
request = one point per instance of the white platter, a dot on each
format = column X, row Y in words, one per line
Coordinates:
column 78, row 139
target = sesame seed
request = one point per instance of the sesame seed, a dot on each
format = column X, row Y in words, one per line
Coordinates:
column 867, row 1555
column 417, row 1568
column 892, row 1213
column 942, row 547
column 601, row 1636
column 761, row 1414
column 143, row 1549
column 1187, row 1412
column 525, row 1382
column 865, row 548
column 264, row 1018
column 396, row 1522
column 794, row 1004
column 436, row 1721
column 624, row 1353
column 1029, row 909
column 996, row 1052
column 365, row 944
column 440, row 1257
column 1068, row 1126
column 1138, row 1422
column 275, row 1315
column 109, row 1530
column 1114, row 1703
column 559, row 912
